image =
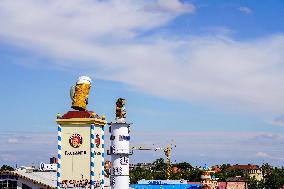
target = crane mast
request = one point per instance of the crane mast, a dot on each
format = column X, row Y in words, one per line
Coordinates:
column 167, row 150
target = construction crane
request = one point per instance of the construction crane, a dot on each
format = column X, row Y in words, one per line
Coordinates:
column 167, row 150
column 144, row 148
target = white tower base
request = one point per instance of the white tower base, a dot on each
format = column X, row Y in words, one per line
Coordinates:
column 119, row 151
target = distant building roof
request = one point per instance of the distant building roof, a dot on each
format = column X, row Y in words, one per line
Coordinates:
column 216, row 169
column 46, row 179
column 243, row 167
column 175, row 169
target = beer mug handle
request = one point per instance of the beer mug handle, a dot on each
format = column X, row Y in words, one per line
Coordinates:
column 72, row 91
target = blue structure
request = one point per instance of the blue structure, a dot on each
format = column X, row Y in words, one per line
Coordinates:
column 166, row 186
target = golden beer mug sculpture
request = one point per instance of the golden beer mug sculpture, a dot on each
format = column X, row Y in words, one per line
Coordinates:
column 80, row 93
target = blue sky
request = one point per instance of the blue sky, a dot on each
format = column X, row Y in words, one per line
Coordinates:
column 207, row 74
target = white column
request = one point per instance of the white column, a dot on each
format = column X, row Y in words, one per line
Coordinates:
column 103, row 158
column 119, row 151
column 58, row 156
column 92, row 182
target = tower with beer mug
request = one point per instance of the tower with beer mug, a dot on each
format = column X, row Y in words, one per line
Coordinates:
column 80, row 142
column 119, row 149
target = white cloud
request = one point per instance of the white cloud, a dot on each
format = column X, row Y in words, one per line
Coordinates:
column 12, row 141
column 262, row 154
column 171, row 6
column 213, row 147
column 23, row 148
column 266, row 155
column 103, row 37
column 45, row 22
column 245, row 10
column 200, row 148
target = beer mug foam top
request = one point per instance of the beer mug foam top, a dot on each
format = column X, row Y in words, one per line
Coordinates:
column 84, row 79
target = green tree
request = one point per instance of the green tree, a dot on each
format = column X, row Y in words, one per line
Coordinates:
column 159, row 165
column 275, row 179
column 193, row 175
column 223, row 167
column 254, row 184
column 224, row 174
column 266, row 169
column 183, row 166
column 139, row 174
column 158, row 172
column 6, row 168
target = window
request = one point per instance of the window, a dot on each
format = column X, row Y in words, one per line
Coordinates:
column 24, row 186
column 2, row 184
column 8, row 184
column 12, row 184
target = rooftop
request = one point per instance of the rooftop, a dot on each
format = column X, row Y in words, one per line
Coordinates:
column 44, row 178
column 47, row 179
column 243, row 167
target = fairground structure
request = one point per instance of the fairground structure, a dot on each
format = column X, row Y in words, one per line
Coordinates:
column 80, row 142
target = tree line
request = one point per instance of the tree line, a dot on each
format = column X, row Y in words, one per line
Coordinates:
column 273, row 177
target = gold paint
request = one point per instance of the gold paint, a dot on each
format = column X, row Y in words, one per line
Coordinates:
column 80, row 97
column 120, row 109
column 103, row 117
column 81, row 121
